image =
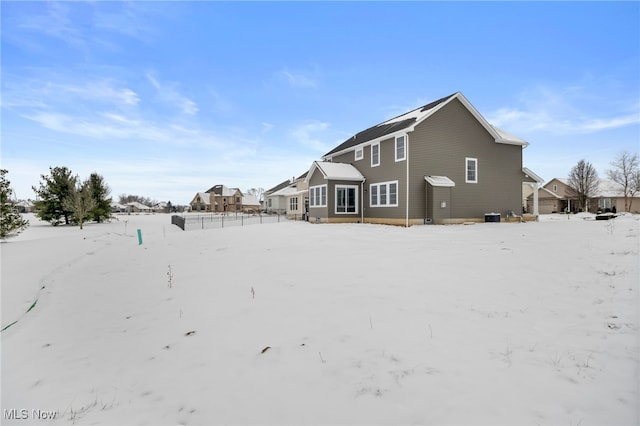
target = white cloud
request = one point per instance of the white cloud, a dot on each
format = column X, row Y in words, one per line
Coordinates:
column 112, row 126
column 84, row 25
column 170, row 94
column 129, row 20
column 297, row 79
column 46, row 92
column 218, row 103
column 306, row 135
column 55, row 22
column 568, row 111
column 267, row 127
column 104, row 91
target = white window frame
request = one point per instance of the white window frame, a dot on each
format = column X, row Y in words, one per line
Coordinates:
column 605, row 203
column 340, row 186
column 359, row 154
column 555, row 188
column 318, row 193
column 293, row 204
column 382, row 188
column 404, row 147
column 466, row 170
column 377, row 145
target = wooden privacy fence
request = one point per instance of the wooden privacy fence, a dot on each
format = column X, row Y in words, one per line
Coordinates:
column 213, row 221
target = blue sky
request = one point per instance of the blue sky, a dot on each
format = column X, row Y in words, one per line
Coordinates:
column 165, row 99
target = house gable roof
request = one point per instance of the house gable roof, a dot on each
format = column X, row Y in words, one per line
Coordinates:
column 408, row 121
column 138, row 205
column 285, row 192
column 528, row 173
column 285, row 184
column 278, row 187
column 224, row 191
column 203, row 197
column 250, row 200
column 335, row 171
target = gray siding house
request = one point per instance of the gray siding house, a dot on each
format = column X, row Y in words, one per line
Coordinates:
column 440, row 163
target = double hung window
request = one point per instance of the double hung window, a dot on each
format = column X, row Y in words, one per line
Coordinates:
column 471, row 171
column 375, row 154
column 384, row 194
column 318, row 196
column 401, row 148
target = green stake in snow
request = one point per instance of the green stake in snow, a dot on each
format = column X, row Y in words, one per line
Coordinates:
column 139, row 237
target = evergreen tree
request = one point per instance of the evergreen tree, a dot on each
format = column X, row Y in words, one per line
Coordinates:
column 100, row 194
column 81, row 201
column 51, row 195
column 11, row 222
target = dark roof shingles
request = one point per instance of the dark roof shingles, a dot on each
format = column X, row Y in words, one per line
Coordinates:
column 379, row 130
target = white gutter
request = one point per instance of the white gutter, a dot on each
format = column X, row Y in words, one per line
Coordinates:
column 362, row 202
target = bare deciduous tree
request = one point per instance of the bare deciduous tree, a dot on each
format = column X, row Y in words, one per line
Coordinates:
column 625, row 171
column 80, row 201
column 583, row 182
column 256, row 192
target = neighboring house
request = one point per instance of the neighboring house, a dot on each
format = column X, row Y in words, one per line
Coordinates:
column 225, row 199
column 556, row 196
column 610, row 196
column 202, row 202
column 440, row 163
column 161, row 207
column 298, row 199
column 25, row 206
column 250, row 204
column 289, row 197
column 118, row 208
column 220, row 199
column 274, row 200
column 136, row 207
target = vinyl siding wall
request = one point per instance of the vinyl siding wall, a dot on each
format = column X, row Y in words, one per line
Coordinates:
column 328, row 213
column 440, row 145
column 388, row 170
column 278, row 203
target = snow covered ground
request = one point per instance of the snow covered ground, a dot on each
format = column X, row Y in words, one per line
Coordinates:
column 294, row 323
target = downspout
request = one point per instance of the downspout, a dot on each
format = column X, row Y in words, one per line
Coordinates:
column 362, row 202
column 406, row 223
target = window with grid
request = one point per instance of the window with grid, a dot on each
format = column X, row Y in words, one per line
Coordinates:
column 384, row 194
column 471, row 175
